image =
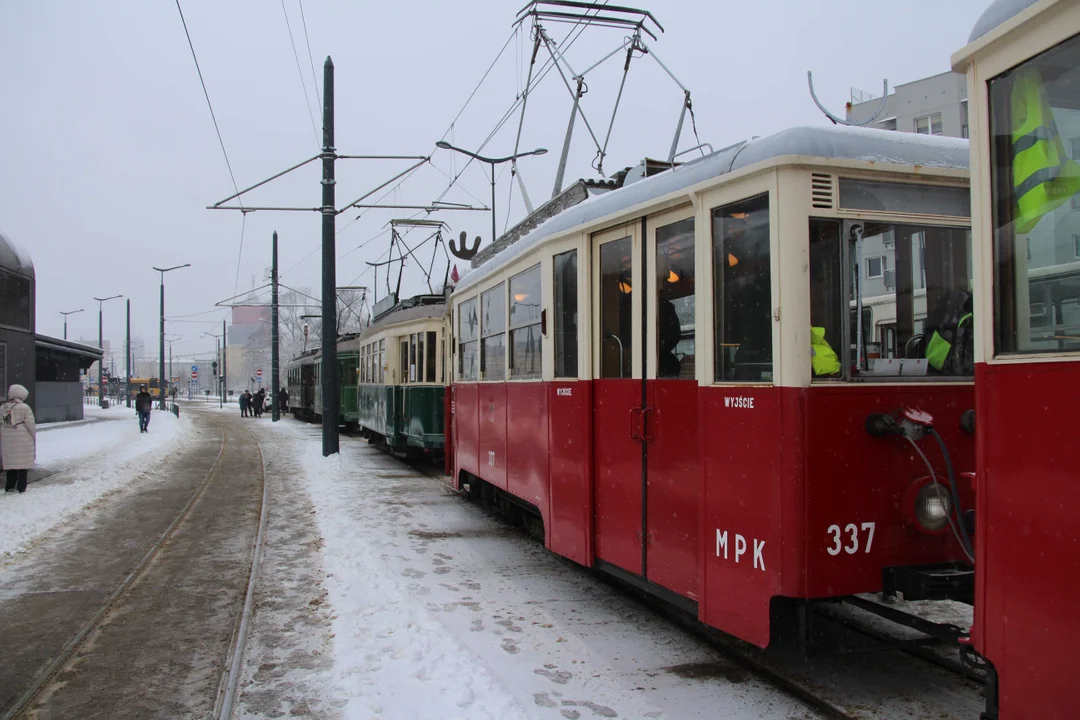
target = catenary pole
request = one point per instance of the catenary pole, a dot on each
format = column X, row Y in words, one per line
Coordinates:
column 329, row 271
column 275, row 360
column 224, row 363
column 127, row 356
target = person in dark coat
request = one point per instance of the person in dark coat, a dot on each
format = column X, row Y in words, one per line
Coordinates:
column 143, row 404
column 244, row 405
column 18, row 438
column 258, row 400
column 283, row 401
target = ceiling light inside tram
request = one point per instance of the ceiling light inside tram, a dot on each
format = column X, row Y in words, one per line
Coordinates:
column 624, row 287
column 672, row 277
column 732, row 261
column 520, row 297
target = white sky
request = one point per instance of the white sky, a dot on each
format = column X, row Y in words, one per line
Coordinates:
column 109, row 155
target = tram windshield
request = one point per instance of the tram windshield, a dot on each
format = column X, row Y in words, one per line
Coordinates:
column 1035, row 155
column 913, row 284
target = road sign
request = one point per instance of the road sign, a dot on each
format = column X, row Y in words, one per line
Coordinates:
column 194, row 368
column 258, row 373
column 194, row 374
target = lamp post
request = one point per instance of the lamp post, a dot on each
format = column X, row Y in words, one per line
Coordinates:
column 65, row 314
column 492, row 162
column 101, row 345
column 161, row 358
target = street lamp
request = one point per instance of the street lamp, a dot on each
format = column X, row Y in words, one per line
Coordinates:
column 65, row 314
column 101, row 345
column 161, row 357
column 171, row 341
column 492, row 162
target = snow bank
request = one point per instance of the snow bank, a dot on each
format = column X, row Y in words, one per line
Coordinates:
column 392, row 658
column 82, row 464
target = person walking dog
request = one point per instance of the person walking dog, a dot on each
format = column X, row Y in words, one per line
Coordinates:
column 18, row 438
column 143, row 404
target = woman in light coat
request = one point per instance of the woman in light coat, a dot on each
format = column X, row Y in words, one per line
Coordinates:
column 18, row 438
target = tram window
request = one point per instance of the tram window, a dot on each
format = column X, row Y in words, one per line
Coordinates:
column 492, row 332
column 566, row 314
column 918, row 308
column 429, row 358
column 675, row 300
column 742, row 292
column 382, row 359
column 403, row 362
column 1033, row 113
column 525, row 339
column 826, row 296
column 468, row 341
column 616, row 303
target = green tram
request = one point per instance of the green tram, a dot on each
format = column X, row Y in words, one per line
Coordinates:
column 304, row 383
column 401, row 377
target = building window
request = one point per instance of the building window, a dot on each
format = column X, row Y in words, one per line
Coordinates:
column 468, row 343
column 14, row 301
column 929, row 124
column 875, row 267
column 566, row 309
column 742, row 291
column 525, row 338
column 492, row 332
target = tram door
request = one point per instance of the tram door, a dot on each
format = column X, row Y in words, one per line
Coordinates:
column 645, row 401
column 617, row 398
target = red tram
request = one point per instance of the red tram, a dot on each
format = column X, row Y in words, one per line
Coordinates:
column 1023, row 68
column 721, row 383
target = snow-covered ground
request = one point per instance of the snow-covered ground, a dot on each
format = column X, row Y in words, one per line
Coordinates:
column 78, row 465
column 436, row 610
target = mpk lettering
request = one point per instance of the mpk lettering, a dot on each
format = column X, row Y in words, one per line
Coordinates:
column 740, row 547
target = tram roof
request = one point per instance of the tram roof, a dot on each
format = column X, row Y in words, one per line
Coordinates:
column 999, row 12
column 829, row 142
column 14, row 258
column 421, row 307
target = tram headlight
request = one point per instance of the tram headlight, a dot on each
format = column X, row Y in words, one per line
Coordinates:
column 932, row 507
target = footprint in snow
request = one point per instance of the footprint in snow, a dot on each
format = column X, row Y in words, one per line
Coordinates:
column 442, row 570
column 559, row 677
column 510, row 646
column 413, row 573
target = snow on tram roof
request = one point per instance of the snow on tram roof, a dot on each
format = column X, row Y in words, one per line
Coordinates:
column 999, row 12
column 832, row 142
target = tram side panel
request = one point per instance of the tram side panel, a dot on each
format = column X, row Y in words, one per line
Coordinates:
column 861, row 489
column 491, row 448
column 466, row 412
column 527, row 446
column 743, row 509
column 569, row 524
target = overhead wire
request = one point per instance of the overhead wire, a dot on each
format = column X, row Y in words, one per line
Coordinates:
column 221, row 141
column 303, row 84
column 311, row 61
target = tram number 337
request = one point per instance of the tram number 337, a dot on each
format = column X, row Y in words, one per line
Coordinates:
column 847, row 539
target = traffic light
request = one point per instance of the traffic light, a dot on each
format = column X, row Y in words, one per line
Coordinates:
column 213, row 367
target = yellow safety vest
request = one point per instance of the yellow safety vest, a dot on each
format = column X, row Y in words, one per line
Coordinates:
column 823, row 358
column 1043, row 176
column 937, row 350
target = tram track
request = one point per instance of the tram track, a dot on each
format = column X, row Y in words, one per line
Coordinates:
column 83, row 640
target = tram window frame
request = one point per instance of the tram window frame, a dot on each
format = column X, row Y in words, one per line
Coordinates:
column 469, row 340
column 419, row 357
column 529, row 285
column 382, row 357
column 1014, row 333
column 616, row 303
column 826, row 269
column 759, row 369
column 932, row 280
column 665, row 276
column 429, row 356
column 493, row 333
column 564, row 272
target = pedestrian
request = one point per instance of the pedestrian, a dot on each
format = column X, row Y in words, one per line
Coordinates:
column 283, row 401
column 259, row 399
column 18, row 438
column 244, row 404
column 143, row 404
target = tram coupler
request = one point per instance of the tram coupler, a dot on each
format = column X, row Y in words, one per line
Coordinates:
column 940, row 581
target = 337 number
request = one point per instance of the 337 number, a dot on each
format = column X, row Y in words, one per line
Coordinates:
column 846, row 539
